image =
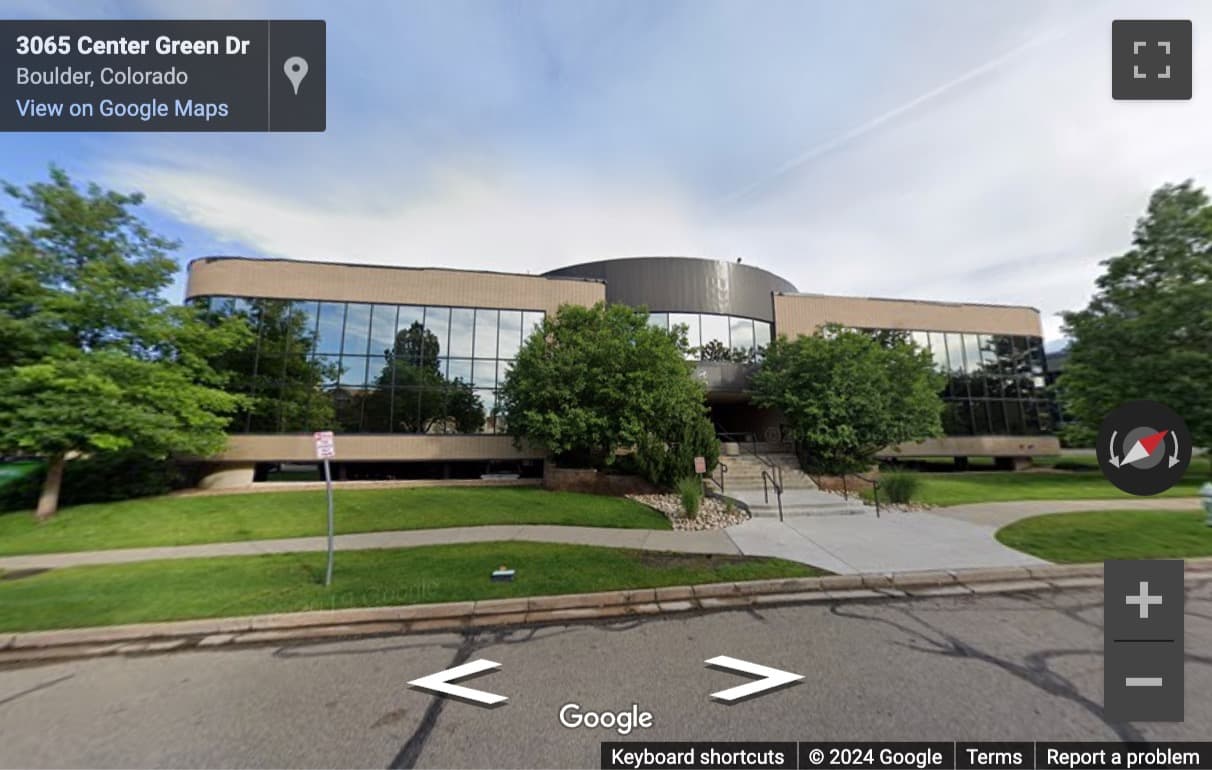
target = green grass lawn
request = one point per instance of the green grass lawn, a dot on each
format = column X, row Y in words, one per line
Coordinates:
column 980, row 487
column 223, row 518
column 244, row 585
column 1098, row 535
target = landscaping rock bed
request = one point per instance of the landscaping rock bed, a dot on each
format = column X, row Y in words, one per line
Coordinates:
column 713, row 513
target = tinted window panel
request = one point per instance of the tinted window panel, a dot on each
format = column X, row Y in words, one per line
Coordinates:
column 354, row 370
column 357, row 329
column 437, row 323
column 382, row 330
column 462, row 328
column 530, row 322
column 484, row 373
column 486, row 334
column 659, row 320
column 689, row 320
column 715, row 327
column 460, row 369
column 761, row 331
column 511, row 334
column 938, row 349
column 742, row 333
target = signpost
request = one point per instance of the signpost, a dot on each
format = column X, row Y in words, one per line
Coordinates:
column 326, row 450
column 700, row 467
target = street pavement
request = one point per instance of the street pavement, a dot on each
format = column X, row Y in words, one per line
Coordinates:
column 995, row 667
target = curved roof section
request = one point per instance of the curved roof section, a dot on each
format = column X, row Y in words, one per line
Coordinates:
column 685, row 284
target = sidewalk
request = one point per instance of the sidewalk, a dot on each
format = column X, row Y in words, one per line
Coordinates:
column 998, row 515
column 943, row 538
column 713, row 541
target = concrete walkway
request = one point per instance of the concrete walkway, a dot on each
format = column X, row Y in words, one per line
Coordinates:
column 894, row 542
column 713, row 541
column 998, row 515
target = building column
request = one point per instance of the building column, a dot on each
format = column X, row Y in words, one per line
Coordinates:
column 227, row 476
column 1012, row 463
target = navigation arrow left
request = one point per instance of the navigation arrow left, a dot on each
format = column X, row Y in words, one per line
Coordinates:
column 440, row 683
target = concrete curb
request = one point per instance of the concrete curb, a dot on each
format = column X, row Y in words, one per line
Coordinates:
column 145, row 638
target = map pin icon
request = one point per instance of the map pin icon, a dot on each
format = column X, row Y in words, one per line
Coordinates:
column 295, row 69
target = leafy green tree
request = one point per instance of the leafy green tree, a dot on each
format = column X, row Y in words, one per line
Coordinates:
column 848, row 394
column 282, row 384
column 595, row 380
column 424, row 397
column 101, row 362
column 1147, row 332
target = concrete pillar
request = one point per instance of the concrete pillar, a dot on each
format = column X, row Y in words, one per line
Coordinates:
column 227, row 476
column 1013, row 463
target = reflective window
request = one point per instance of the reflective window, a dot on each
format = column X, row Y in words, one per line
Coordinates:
column 714, row 329
column 955, row 352
column 357, row 329
column 510, row 340
column 316, row 365
column 761, row 333
column 484, row 373
column 659, row 320
column 691, row 322
column 460, row 369
column 462, row 327
column 353, row 371
column 382, row 330
column 742, row 333
column 938, row 349
column 486, row 334
column 921, row 339
column 531, row 320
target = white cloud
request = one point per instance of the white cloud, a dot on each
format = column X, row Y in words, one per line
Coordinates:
column 1006, row 186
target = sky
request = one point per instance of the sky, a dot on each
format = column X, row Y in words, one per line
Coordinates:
column 927, row 149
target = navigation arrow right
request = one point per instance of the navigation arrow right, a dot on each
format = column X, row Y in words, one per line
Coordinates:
column 771, row 678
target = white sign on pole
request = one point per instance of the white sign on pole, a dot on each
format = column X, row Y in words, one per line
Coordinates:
column 700, row 464
column 325, row 448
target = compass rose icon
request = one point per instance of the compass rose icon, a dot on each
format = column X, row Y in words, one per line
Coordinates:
column 1143, row 447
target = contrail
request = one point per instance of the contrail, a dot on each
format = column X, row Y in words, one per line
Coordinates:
column 876, row 122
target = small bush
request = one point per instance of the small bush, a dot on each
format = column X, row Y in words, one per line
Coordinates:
column 690, row 489
column 900, row 487
column 99, row 478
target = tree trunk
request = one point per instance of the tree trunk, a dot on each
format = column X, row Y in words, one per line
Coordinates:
column 48, row 501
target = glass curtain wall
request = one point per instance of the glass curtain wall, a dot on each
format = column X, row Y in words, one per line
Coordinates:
column 372, row 368
column 717, row 337
column 995, row 382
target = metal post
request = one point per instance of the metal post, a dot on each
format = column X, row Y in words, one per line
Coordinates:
column 328, row 487
column 1206, row 493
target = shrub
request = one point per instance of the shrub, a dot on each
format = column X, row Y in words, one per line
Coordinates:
column 664, row 463
column 900, row 487
column 690, row 488
column 99, row 478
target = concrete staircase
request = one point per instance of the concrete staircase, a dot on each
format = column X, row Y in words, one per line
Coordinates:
column 801, row 497
column 745, row 471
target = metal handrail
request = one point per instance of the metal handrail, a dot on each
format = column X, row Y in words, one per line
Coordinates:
column 723, row 469
column 875, row 489
column 778, row 488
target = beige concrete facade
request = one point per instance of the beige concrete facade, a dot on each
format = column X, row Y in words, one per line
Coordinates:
column 796, row 314
column 355, row 447
column 289, row 279
column 978, row 446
